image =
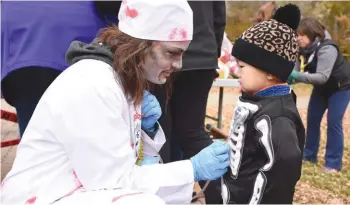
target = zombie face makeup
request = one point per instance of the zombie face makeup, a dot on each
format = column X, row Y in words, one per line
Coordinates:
column 163, row 59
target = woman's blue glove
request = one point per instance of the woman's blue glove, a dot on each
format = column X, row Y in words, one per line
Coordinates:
column 151, row 111
column 150, row 160
column 212, row 162
column 293, row 77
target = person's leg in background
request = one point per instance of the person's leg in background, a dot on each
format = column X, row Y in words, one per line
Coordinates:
column 189, row 101
column 337, row 105
column 165, row 121
column 23, row 89
column 317, row 107
column 171, row 150
column 188, row 107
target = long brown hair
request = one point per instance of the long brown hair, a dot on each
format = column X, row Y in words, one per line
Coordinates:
column 129, row 53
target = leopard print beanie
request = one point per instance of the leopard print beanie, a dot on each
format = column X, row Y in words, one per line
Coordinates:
column 271, row 45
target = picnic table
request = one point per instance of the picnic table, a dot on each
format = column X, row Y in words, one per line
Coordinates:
column 222, row 83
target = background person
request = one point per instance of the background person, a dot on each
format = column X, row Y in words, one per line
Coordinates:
column 34, row 39
column 329, row 73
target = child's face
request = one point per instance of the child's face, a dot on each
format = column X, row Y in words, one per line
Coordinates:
column 252, row 79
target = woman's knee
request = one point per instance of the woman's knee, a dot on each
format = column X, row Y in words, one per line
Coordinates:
column 335, row 117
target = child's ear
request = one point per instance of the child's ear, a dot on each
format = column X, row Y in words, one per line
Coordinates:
column 270, row 77
column 273, row 78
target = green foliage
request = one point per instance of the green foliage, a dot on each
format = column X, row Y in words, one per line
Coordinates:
column 239, row 17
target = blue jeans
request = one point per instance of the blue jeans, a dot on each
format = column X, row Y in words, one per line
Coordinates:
column 336, row 104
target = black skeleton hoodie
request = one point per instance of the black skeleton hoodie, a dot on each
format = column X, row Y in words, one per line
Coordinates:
column 267, row 140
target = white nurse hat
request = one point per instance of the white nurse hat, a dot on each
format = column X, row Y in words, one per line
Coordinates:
column 159, row 20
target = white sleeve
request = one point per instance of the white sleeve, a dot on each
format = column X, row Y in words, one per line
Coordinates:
column 171, row 195
column 97, row 140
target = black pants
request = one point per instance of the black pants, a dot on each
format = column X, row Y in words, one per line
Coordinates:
column 183, row 120
column 23, row 89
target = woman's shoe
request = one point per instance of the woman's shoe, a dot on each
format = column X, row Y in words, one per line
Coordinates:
column 330, row 170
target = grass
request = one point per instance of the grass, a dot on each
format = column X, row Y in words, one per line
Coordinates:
column 326, row 187
column 337, row 183
column 315, row 186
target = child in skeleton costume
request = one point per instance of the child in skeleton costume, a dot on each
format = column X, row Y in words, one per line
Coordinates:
column 94, row 135
column 266, row 134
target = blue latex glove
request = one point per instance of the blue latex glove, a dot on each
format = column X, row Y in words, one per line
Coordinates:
column 212, row 162
column 149, row 160
column 293, row 77
column 151, row 111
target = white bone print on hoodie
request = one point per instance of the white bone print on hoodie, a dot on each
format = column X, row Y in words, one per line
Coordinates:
column 237, row 134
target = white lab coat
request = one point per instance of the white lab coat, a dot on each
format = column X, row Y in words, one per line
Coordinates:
column 80, row 147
